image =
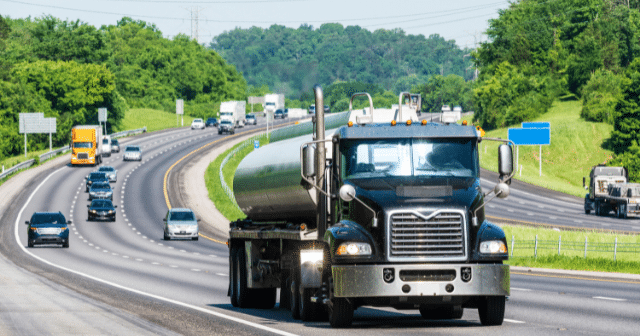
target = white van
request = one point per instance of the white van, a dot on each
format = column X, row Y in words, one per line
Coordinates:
column 106, row 145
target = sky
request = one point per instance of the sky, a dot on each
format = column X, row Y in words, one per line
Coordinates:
column 464, row 21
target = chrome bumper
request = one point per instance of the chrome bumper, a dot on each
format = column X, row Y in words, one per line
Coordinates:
column 368, row 281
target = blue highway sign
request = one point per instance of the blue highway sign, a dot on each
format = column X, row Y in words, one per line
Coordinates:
column 530, row 136
column 539, row 124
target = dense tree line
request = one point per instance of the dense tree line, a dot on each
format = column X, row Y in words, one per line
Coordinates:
column 540, row 50
column 291, row 61
column 69, row 69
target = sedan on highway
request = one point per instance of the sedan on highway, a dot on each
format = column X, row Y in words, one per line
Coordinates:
column 279, row 114
column 100, row 190
column 251, row 119
column 132, row 153
column 48, row 228
column 95, row 177
column 197, row 123
column 180, row 223
column 102, row 209
column 115, row 146
column 111, row 173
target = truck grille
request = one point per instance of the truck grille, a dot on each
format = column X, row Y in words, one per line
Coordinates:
column 437, row 236
column 83, row 156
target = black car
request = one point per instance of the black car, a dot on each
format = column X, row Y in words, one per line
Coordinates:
column 48, row 228
column 95, row 177
column 102, row 209
column 211, row 122
column 279, row 114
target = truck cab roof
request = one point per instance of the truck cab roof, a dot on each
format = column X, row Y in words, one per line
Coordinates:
column 430, row 130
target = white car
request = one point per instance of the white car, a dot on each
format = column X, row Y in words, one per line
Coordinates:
column 197, row 123
column 106, row 145
column 132, row 153
column 180, row 223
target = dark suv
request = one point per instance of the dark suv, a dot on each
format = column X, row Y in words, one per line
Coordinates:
column 279, row 114
column 211, row 122
column 48, row 228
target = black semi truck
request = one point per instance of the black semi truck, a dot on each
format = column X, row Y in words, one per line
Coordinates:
column 377, row 214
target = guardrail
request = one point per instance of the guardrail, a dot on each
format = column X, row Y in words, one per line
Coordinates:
column 128, row 133
column 46, row 156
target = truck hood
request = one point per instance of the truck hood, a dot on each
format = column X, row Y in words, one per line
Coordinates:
column 410, row 193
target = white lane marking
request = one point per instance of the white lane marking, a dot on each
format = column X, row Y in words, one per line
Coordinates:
column 521, row 289
column 530, row 213
column 521, row 202
column 577, row 221
column 553, row 217
column 513, row 321
column 196, row 270
column 222, row 274
column 609, row 298
column 510, row 210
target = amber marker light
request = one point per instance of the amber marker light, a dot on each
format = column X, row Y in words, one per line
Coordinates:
column 303, row 227
column 350, row 124
column 393, row 122
column 424, row 122
column 464, row 122
column 409, row 122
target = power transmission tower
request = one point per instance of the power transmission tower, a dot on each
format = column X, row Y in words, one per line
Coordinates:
column 195, row 12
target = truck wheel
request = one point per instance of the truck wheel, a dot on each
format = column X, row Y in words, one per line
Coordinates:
column 622, row 211
column 285, row 292
column 597, row 209
column 491, row 310
column 340, row 313
column 429, row 312
column 294, row 294
column 309, row 311
column 240, row 283
column 232, row 276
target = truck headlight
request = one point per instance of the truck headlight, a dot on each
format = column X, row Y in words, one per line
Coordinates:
column 311, row 256
column 354, row 249
column 493, row 247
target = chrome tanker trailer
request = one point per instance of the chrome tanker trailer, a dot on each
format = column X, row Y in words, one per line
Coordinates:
column 377, row 214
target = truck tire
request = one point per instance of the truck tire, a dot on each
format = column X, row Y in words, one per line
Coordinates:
column 622, row 211
column 491, row 310
column 232, row 276
column 597, row 209
column 285, row 292
column 243, row 296
column 340, row 313
column 429, row 312
column 309, row 311
column 294, row 294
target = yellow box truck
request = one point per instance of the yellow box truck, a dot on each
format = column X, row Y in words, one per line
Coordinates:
column 85, row 145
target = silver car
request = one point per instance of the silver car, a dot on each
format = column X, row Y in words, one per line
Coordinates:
column 180, row 223
column 111, row 173
column 132, row 153
column 100, row 190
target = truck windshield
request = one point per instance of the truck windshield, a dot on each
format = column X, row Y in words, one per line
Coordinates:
column 82, row 145
column 423, row 158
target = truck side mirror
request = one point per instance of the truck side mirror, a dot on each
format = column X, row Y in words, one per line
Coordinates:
column 309, row 161
column 584, row 182
column 505, row 161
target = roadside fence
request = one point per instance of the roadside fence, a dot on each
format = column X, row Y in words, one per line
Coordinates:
column 48, row 155
column 527, row 248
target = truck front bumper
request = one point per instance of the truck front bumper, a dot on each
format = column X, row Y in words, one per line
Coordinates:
column 395, row 280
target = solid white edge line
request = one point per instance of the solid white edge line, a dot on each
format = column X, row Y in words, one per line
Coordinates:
column 608, row 298
column 186, row 305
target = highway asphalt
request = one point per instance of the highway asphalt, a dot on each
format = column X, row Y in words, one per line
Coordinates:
column 125, row 273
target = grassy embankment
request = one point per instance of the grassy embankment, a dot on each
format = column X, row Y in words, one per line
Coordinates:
column 575, row 147
column 155, row 120
column 223, row 203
